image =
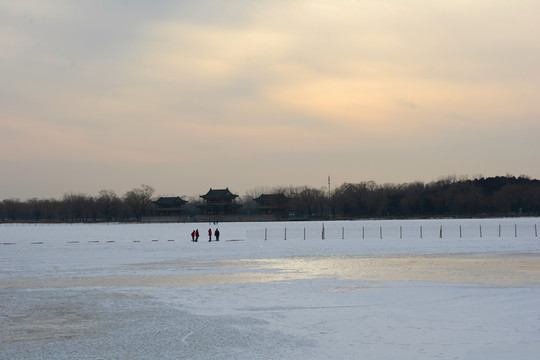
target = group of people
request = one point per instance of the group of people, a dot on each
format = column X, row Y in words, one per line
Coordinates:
column 195, row 235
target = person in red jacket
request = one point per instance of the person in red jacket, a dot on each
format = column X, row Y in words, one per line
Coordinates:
column 209, row 235
column 193, row 236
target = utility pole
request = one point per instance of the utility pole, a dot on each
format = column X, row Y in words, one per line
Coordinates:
column 328, row 186
column 329, row 197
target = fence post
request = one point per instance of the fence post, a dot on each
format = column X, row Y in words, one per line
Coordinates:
column 363, row 232
column 440, row 233
column 285, row 234
column 265, row 233
column 460, row 233
column 421, row 232
column 480, row 230
column 323, row 231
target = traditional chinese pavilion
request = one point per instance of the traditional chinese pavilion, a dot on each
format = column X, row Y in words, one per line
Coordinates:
column 219, row 202
column 169, row 206
column 275, row 204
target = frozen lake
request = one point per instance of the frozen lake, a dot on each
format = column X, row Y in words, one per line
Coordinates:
column 417, row 289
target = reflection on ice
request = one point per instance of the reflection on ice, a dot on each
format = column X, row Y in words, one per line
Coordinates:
column 500, row 271
column 496, row 271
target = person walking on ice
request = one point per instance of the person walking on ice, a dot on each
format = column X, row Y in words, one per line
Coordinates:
column 209, row 235
column 193, row 236
column 196, row 235
column 216, row 233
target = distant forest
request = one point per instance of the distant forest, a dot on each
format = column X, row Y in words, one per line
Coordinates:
column 447, row 197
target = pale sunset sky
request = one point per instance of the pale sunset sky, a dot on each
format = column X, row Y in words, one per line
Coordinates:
column 192, row 94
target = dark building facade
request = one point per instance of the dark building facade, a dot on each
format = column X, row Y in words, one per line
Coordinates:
column 272, row 204
column 219, row 202
column 169, row 206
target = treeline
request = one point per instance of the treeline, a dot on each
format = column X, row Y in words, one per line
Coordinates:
column 448, row 197
column 78, row 207
column 493, row 196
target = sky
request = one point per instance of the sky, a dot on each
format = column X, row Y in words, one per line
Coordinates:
column 190, row 95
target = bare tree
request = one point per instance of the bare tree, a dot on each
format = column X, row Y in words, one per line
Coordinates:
column 75, row 205
column 139, row 200
column 51, row 209
column 108, row 204
column 35, row 209
column 12, row 208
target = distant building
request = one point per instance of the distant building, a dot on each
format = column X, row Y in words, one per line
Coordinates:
column 169, row 206
column 272, row 204
column 219, row 202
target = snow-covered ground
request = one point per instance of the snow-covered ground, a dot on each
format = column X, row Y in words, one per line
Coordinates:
column 417, row 289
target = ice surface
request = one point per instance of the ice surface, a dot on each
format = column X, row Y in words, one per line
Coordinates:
column 145, row 291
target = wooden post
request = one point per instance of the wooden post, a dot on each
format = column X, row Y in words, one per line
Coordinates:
column 285, row 234
column 440, row 233
column 460, row 233
column 265, row 233
column 363, row 232
column 323, row 231
column 480, row 230
column 421, row 232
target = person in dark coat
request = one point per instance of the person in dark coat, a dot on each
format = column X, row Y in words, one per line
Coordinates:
column 216, row 233
column 209, row 235
column 196, row 235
